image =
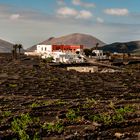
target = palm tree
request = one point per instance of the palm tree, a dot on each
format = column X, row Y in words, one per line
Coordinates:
column 15, row 46
column 19, row 47
column 97, row 44
column 14, row 51
column 95, row 47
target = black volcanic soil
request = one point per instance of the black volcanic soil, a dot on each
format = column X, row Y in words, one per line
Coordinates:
column 79, row 106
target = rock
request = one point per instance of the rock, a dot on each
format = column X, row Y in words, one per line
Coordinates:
column 89, row 128
column 69, row 137
column 14, row 77
column 52, row 138
column 61, row 114
column 118, row 135
column 96, row 124
column 139, row 136
column 3, row 75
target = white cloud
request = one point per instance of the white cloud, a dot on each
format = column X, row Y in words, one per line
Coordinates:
column 117, row 11
column 84, row 4
column 100, row 20
column 14, row 16
column 66, row 11
column 47, row 26
column 70, row 12
column 84, row 14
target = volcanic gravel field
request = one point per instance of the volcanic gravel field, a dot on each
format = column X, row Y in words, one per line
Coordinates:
column 40, row 102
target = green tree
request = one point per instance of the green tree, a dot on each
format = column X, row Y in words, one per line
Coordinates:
column 88, row 52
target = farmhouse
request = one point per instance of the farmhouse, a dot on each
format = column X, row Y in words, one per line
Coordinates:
column 62, row 53
column 61, row 48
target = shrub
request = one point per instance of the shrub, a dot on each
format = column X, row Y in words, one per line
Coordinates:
column 34, row 105
column 6, row 113
column 19, row 126
column 53, row 127
column 108, row 118
column 12, row 85
column 71, row 115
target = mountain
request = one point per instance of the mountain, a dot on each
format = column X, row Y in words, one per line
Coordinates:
column 5, row 47
column 73, row 39
column 127, row 47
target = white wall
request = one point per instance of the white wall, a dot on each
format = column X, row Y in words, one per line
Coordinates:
column 44, row 49
column 98, row 52
column 31, row 53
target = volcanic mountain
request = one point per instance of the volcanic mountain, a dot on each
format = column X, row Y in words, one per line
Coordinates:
column 73, row 39
column 129, row 47
column 5, row 47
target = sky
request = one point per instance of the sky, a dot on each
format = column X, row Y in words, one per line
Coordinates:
column 32, row 21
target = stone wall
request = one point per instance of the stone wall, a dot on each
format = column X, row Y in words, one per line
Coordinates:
column 91, row 69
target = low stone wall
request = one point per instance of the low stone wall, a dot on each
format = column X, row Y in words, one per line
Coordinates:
column 91, row 69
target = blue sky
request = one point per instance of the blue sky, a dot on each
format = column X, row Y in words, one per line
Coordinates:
column 32, row 21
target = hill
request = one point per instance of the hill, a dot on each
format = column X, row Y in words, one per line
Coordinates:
column 73, row 39
column 5, row 47
column 130, row 47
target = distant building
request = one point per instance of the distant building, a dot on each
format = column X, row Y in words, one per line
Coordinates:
column 62, row 53
column 63, row 48
column 98, row 54
column 33, row 53
column 41, row 49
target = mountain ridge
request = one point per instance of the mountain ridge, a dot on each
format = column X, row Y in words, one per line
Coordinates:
column 80, row 39
column 120, row 47
column 72, row 39
column 5, row 46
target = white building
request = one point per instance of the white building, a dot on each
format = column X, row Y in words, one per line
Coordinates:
column 41, row 49
column 60, row 53
column 65, row 57
column 99, row 54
